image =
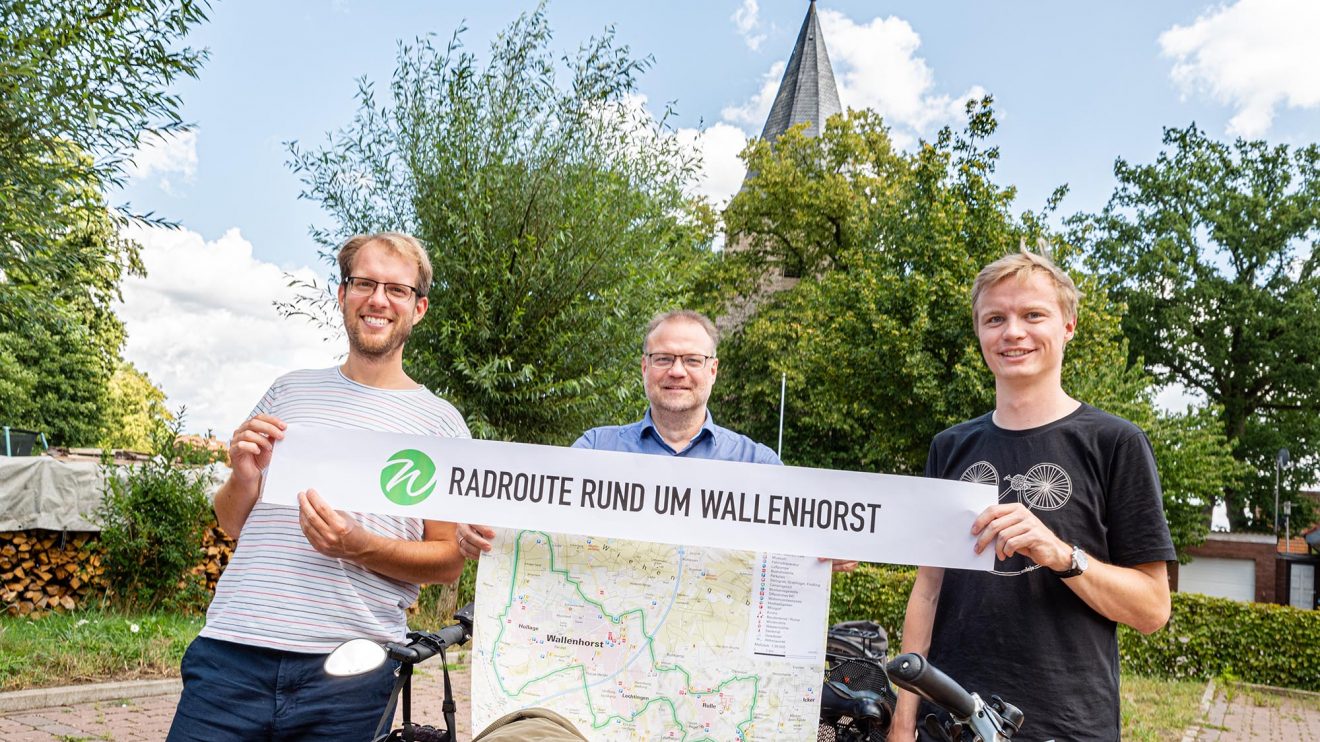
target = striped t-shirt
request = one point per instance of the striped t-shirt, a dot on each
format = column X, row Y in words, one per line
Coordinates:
column 280, row 593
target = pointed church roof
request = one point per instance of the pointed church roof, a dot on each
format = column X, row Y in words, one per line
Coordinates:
column 807, row 92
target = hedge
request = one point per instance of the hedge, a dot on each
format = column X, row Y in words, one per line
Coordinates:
column 877, row 592
column 1205, row 638
column 1215, row 637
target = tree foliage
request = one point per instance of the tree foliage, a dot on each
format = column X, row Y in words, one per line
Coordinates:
column 60, row 360
column 1212, row 249
column 135, row 412
column 554, row 214
column 80, row 82
column 876, row 339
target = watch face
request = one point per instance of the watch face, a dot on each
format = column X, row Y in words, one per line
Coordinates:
column 1078, row 559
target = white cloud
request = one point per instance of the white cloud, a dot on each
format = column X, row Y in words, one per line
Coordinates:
column 875, row 66
column 718, row 146
column 202, row 325
column 168, row 153
column 1176, row 398
column 721, row 170
column 747, row 20
column 1253, row 55
column 754, row 111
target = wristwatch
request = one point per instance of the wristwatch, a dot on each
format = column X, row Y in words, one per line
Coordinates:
column 1079, row 564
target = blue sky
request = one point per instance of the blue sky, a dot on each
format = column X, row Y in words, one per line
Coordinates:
column 1076, row 85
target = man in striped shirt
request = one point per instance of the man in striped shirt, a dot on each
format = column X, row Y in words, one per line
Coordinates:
column 302, row 580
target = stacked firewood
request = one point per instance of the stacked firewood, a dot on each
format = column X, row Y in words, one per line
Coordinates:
column 43, row 571
column 217, row 547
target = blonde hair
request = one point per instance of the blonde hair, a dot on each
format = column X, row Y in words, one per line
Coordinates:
column 689, row 316
column 403, row 245
column 1020, row 265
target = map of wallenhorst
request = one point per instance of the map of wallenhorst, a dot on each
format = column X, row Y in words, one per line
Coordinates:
column 635, row 641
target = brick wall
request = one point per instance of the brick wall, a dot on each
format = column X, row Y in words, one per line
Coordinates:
column 1257, row 547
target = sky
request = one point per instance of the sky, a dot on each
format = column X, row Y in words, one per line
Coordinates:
column 1075, row 87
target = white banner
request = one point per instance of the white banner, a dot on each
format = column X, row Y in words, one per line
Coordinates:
column 668, row 499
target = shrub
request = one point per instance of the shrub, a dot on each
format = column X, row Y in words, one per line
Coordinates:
column 1212, row 637
column 152, row 519
column 1205, row 637
column 436, row 603
column 876, row 592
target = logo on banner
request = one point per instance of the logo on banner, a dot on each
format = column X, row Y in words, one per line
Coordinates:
column 408, row 477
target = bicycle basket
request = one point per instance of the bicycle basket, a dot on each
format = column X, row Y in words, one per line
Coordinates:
column 867, row 679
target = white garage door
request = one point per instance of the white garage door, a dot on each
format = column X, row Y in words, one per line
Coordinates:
column 1222, row 578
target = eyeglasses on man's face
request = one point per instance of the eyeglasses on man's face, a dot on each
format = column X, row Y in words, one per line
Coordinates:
column 366, row 287
column 690, row 361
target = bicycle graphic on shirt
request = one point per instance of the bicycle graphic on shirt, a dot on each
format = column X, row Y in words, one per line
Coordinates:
column 1044, row 487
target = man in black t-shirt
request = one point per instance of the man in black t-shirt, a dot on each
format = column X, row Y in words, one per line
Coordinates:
column 1079, row 534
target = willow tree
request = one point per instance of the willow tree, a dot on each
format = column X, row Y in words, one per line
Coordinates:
column 81, row 82
column 554, row 212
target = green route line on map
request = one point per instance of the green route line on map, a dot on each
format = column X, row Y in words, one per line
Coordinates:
column 582, row 670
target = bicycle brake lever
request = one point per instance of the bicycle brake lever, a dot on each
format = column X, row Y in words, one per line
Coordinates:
column 1011, row 715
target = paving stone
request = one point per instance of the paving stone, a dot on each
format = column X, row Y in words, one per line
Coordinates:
column 1251, row 714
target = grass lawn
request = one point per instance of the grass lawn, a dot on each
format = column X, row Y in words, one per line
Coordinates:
column 1157, row 710
column 90, row 646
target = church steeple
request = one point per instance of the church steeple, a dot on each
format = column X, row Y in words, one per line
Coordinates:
column 807, row 92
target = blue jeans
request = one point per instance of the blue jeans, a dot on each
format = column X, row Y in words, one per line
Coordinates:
column 236, row 692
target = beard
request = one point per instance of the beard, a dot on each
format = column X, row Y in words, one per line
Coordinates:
column 376, row 346
column 687, row 401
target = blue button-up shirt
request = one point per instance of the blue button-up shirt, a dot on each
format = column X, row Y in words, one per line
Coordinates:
column 711, row 442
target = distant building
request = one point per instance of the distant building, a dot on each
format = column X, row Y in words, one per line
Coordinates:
column 1257, row 567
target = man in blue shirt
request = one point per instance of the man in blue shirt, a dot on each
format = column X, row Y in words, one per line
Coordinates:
column 679, row 368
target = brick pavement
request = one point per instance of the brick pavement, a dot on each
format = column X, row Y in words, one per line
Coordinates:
column 1247, row 712
column 149, row 718
column 1251, row 713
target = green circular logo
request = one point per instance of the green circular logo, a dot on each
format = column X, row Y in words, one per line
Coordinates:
column 408, row 477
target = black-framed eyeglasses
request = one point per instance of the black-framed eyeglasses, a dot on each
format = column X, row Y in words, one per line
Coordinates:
column 358, row 286
column 690, row 361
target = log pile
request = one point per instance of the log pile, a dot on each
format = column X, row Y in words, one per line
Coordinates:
column 217, row 547
column 43, row 571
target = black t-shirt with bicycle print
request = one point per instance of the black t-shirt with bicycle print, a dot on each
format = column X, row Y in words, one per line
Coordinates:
column 1019, row 631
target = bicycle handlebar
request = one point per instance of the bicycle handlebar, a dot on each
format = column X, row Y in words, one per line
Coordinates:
column 423, row 645
column 914, row 673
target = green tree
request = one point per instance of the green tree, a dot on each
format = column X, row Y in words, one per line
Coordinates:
column 63, row 355
column 80, row 82
column 876, row 338
column 1212, row 249
column 555, row 216
column 135, row 411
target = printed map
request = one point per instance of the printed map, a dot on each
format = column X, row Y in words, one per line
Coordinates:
column 632, row 640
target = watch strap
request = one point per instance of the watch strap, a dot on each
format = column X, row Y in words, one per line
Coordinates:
column 1074, row 569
